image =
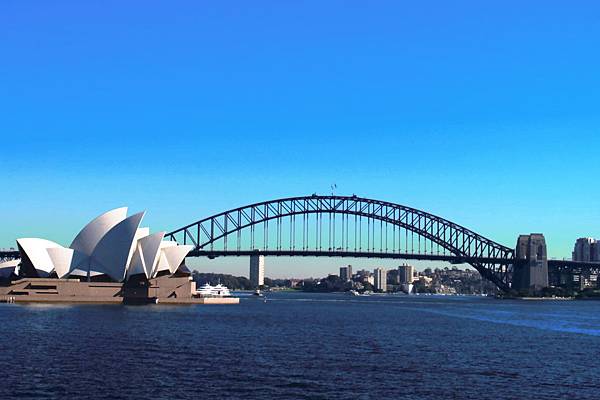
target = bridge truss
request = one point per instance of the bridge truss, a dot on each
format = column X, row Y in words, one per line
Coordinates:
column 345, row 226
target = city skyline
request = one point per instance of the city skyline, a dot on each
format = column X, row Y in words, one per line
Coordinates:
column 483, row 120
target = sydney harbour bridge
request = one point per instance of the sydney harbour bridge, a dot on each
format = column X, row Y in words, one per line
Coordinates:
column 352, row 226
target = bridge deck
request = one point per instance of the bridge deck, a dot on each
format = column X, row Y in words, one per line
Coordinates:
column 348, row 254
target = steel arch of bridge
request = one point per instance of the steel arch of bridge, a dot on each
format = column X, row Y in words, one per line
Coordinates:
column 491, row 259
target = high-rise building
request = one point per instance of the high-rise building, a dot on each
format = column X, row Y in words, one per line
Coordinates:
column 586, row 249
column 346, row 273
column 406, row 274
column 257, row 270
column 380, row 279
column 365, row 276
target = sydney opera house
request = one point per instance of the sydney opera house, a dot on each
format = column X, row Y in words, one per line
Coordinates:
column 112, row 259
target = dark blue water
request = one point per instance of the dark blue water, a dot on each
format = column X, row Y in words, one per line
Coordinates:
column 304, row 346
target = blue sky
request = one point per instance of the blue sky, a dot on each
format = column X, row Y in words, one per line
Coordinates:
column 486, row 113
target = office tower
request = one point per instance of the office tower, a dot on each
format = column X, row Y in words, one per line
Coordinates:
column 257, row 270
column 380, row 279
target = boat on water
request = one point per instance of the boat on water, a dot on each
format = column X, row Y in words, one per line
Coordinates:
column 357, row 293
column 258, row 293
column 207, row 290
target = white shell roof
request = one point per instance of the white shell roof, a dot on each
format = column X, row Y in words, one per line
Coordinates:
column 162, row 263
column 150, row 246
column 111, row 244
column 66, row 260
column 8, row 267
column 112, row 254
column 36, row 250
column 175, row 255
column 136, row 265
column 89, row 237
column 140, row 233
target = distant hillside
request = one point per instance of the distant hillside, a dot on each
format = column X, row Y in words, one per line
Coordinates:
column 232, row 282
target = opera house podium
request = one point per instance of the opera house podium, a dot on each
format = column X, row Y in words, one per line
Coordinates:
column 111, row 260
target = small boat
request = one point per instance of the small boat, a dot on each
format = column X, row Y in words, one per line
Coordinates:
column 221, row 291
column 207, row 290
column 258, row 293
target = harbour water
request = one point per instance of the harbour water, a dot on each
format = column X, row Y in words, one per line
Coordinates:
column 298, row 345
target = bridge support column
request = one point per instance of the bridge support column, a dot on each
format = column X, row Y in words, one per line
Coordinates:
column 257, row 270
column 532, row 274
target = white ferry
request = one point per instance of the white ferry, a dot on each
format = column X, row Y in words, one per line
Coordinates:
column 207, row 290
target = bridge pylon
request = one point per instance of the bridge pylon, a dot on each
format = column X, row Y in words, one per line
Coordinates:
column 531, row 275
column 257, row 270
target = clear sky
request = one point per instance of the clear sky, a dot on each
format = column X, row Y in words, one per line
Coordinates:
column 486, row 113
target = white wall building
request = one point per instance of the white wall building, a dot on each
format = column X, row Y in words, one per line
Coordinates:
column 380, row 279
column 257, row 270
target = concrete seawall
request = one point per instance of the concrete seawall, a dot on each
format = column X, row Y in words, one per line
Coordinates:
column 114, row 300
column 162, row 290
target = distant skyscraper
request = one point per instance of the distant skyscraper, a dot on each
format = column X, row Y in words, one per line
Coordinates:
column 406, row 274
column 586, row 249
column 346, row 273
column 257, row 270
column 380, row 279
